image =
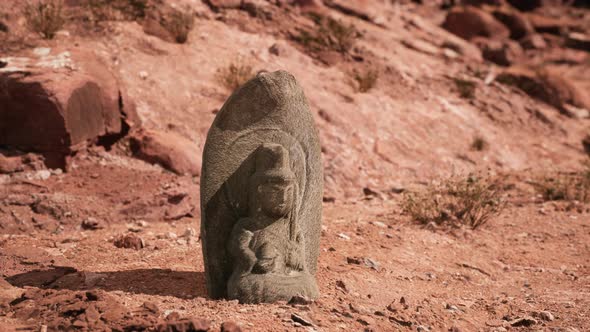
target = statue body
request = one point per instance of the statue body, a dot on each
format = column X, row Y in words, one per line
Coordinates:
column 261, row 191
column 267, row 246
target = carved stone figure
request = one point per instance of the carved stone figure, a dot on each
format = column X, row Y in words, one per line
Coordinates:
column 261, row 193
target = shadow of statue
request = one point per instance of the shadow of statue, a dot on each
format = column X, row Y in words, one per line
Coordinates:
column 164, row 282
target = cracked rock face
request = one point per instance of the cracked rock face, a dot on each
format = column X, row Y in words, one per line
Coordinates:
column 53, row 107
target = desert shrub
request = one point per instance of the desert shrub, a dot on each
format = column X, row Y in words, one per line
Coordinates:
column 180, row 24
column 573, row 186
column 363, row 81
column 235, row 74
column 45, row 17
column 455, row 202
column 465, row 88
column 479, row 143
column 329, row 34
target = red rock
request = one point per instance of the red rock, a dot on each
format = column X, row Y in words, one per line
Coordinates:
column 187, row 325
column 547, row 86
column 217, row 4
column 534, row 41
column 484, row 2
column 129, row 241
column 167, row 149
column 152, row 307
column 91, row 224
column 309, row 6
column 92, row 314
column 230, row 327
column 363, row 9
column 469, row 22
column 503, row 53
column 10, row 164
column 517, row 23
column 55, row 108
column 528, row 5
column 556, row 26
column 578, row 41
column 586, row 144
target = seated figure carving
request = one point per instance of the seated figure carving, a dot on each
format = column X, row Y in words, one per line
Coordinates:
column 267, row 247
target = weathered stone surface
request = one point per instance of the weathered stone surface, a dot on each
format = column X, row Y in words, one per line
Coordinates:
column 503, row 53
column 307, row 6
column 517, row 23
column 230, row 327
column 468, row 22
column 528, row 5
column 217, row 4
column 578, row 41
column 552, row 25
column 185, row 325
column 167, row 149
column 129, row 241
column 547, row 86
column 533, row 41
column 261, row 194
column 447, row 39
column 363, row 9
column 586, row 144
column 168, row 22
column 14, row 161
column 53, row 106
column 484, row 2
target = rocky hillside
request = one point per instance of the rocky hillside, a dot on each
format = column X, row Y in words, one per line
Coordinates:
column 442, row 79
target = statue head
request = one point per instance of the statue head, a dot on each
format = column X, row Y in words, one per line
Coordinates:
column 272, row 186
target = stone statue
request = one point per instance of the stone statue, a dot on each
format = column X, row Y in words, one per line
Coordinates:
column 261, row 194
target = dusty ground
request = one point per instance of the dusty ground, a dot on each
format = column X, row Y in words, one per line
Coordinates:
column 533, row 258
column 527, row 269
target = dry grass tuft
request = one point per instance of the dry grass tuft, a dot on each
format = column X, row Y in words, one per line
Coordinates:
column 363, row 81
column 45, row 17
column 573, row 186
column 329, row 34
column 456, row 202
column 235, row 74
column 180, row 24
column 465, row 88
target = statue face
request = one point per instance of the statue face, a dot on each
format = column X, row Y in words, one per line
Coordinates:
column 276, row 197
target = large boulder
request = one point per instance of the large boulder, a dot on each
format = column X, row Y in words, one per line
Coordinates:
column 468, row 22
column 167, row 149
column 547, row 86
column 57, row 104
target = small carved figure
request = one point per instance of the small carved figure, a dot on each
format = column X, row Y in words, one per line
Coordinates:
column 267, row 246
